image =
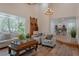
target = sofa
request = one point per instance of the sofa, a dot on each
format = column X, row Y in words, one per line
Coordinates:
column 5, row 39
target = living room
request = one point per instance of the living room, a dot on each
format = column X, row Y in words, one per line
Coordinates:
column 51, row 25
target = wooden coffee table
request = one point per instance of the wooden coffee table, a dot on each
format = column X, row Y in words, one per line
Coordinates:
column 24, row 46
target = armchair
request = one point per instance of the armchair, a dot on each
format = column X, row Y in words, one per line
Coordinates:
column 37, row 37
column 48, row 41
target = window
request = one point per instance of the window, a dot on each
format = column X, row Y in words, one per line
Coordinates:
column 11, row 23
column 69, row 22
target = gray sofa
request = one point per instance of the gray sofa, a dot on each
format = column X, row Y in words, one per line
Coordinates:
column 5, row 39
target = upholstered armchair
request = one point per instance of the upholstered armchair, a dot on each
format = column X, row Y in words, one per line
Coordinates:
column 48, row 40
column 37, row 36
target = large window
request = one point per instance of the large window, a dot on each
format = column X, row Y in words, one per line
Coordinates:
column 69, row 22
column 11, row 23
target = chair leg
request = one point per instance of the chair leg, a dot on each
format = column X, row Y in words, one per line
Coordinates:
column 36, row 47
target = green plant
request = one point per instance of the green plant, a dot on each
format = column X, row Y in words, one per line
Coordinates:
column 27, row 36
column 21, row 29
column 22, row 37
column 73, row 33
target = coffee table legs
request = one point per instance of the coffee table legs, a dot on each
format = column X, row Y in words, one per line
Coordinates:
column 36, row 47
column 9, row 51
column 17, row 53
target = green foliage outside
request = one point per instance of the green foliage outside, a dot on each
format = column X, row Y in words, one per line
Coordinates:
column 21, row 30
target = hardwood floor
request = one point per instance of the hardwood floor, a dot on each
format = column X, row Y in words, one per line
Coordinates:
column 59, row 50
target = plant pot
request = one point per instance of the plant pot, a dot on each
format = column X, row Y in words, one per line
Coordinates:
column 23, row 41
column 73, row 36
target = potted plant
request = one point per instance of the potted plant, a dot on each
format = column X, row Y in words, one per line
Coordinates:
column 22, row 38
column 27, row 36
column 73, row 33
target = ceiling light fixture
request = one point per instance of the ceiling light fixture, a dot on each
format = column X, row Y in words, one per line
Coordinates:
column 49, row 12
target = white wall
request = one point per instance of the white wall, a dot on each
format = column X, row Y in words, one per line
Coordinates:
column 18, row 9
column 64, row 10
column 43, row 19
